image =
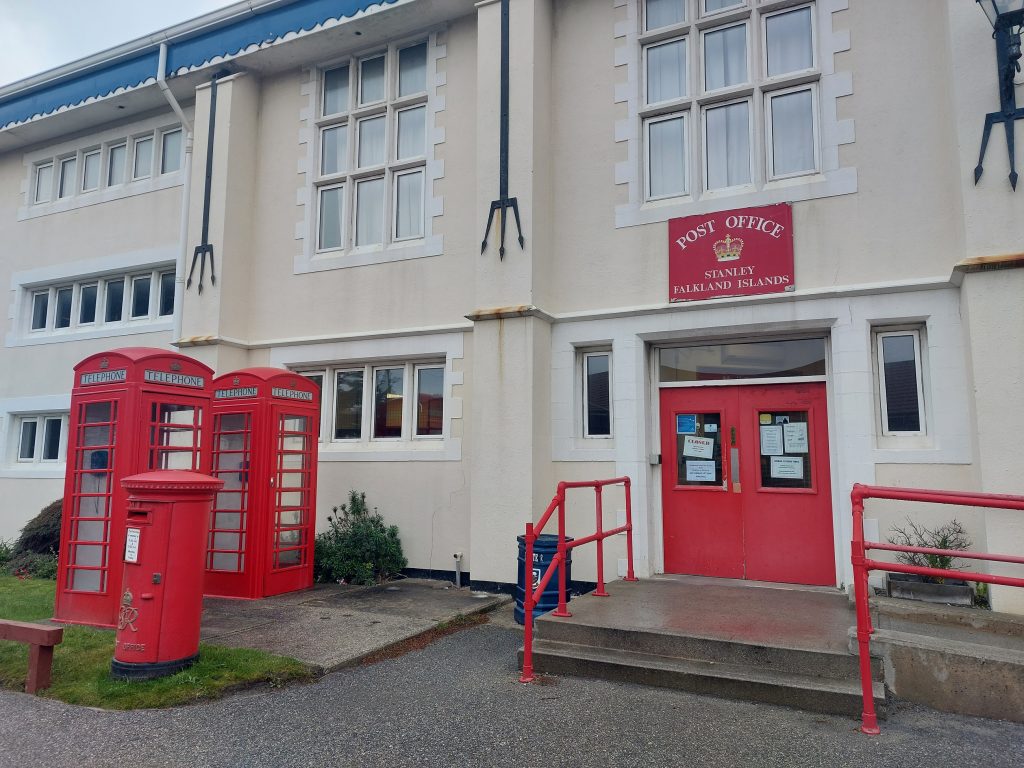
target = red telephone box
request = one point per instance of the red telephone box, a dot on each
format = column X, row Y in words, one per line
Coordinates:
column 132, row 410
column 265, row 431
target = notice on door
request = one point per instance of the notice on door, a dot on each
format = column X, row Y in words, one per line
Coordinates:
column 771, row 440
column 700, row 471
column 699, row 447
column 131, row 545
column 787, row 467
column 794, row 437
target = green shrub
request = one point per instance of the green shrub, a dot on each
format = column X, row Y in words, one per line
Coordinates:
column 357, row 547
column 35, row 565
column 6, row 553
column 42, row 533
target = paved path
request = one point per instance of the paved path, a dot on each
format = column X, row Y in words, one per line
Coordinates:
column 457, row 704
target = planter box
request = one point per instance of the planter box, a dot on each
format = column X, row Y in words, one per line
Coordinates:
column 913, row 587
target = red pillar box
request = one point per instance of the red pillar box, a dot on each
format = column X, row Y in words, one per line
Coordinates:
column 265, row 431
column 161, row 597
column 132, row 410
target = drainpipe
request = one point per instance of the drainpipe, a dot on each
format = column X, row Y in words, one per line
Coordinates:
column 186, row 127
column 458, row 570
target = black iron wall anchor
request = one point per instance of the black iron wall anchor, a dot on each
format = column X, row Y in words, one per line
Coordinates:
column 504, row 202
column 1008, row 113
column 205, row 248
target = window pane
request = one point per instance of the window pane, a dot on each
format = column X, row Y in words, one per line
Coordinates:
column 332, row 203
column 902, row 399
column 115, row 301
column 91, row 172
column 87, row 304
column 667, row 157
column 51, row 439
column 143, row 159
column 166, row 293
column 371, row 141
column 792, row 133
column 67, row 177
column 789, row 42
column 140, row 297
column 429, row 401
column 728, row 146
column 170, row 153
column 44, row 183
column 412, row 129
column 27, row 444
column 116, row 164
column 336, row 91
column 348, row 408
column 412, row 69
column 409, row 205
column 333, row 150
column 666, row 71
column 725, row 57
column 62, row 314
column 387, row 402
column 369, row 212
column 694, row 471
column 661, row 13
column 371, row 80
column 598, row 396
column 762, row 359
column 710, row 6
column 40, row 303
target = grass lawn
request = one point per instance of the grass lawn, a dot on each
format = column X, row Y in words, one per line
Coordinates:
column 81, row 664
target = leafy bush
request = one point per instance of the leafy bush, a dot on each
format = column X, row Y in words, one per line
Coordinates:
column 950, row 535
column 35, row 565
column 6, row 553
column 357, row 547
column 42, row 533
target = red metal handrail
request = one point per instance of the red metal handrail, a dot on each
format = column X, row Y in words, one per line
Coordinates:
column 558, row 561
column 862, row 565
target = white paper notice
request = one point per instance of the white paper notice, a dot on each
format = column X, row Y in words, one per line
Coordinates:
column 700, row 447
column 700, row 471
column 131, row 545
column 771, row 440
column 794, row 437
column 787, row 467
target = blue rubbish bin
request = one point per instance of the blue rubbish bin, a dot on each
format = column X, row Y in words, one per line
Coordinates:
column 544, row 550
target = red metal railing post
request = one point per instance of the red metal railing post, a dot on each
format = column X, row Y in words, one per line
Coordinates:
column 599, row 513
column 561, row 611
column 630, row 576
column 527, row 675
column 869, row 720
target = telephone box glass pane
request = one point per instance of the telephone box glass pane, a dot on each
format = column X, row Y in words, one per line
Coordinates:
column 699, row 449
column 90, row 504
column 231, row 461
column 289, row 557
column 784, row 446
column 174, row 436
column 387, row 402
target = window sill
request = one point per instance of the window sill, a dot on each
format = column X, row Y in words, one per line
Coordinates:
column 361, row 257
column 57, row 337
column 103, row 195
column 394, row 450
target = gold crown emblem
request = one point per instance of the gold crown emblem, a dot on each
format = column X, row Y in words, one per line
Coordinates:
column 728, row 249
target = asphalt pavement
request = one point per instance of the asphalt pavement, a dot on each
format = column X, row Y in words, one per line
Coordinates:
column 458, row 703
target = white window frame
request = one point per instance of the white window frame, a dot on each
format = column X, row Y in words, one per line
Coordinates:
column 815, row 127
column 643, row 18
column 736, row 5
column 751, row 144
column 86, row 154
column 149, row 299
column 109, row 181
column 56, row 306
column 414, row 421
column 147, row 172
column 73, row 187
column 40, row 420
column 395, row 176
column 329, row 410
column 815, row 64
column 42, row 189
column 687, row 171
column 33, row 294
column 687, row 84
column 919, row 366
column 584, row 357
column 79, row 289
column 373, row 410
column 747, row 83
column 163, row 157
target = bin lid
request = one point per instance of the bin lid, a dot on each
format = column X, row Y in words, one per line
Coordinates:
column 171, row 480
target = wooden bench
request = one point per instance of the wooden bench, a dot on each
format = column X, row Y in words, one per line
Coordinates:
column 40, row 639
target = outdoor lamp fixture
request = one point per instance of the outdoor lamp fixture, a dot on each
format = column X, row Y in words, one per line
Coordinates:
column 1007, row 19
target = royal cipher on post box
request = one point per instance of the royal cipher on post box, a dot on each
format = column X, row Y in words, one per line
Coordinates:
column 161, row 592
column 132, row 410
column 265, row 431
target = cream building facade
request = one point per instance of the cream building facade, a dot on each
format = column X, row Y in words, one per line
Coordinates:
column 355, row 155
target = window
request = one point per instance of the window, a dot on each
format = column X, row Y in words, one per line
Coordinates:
column 68, row 167
column 752, row 100
column 40, row 438
column 143, row 158
column 76, row 306
column 116, row 164
column 597, row 401
column 44, row 183
column 372, row 148
column 90, row 171
column 900, row 382
column 170, row 151
column 392, row 402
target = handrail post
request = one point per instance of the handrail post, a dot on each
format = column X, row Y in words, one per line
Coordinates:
column 561, row 611
column 869, row 720
column 527, row 675
column 630, row 576
column 600, row 591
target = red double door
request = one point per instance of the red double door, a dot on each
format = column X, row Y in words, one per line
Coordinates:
column 745, row 483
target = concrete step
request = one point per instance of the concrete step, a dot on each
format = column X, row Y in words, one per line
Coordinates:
column 819, row 663
column 726, row 680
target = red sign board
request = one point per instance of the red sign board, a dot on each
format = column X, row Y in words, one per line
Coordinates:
column 731, row 253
